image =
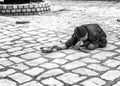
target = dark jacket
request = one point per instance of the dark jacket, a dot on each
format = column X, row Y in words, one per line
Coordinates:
column 95, row 36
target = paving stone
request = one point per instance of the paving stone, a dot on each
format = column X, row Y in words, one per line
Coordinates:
column 118, row 67
column 52, row 72
column 4, row 55
column 55, row 55
column 117, row 50
column 20, row 66
column 34, row 71
column 49, row 65
column 6, row 63
column 109, row 47
column 16, row 59
column 30, row 56
column 71, row 78
column 14, row 49
column 95, row 51
column 103, row 55
column 28, row 50
column 1, row 67
column 89, row 60
column 69, row 51
column 32, row 83
column 111, row 75
column 6, row 40
column 76, row 56
column 85, row 71
column 117, row 43
column 6, row 82
column 7, row 72
column 6, row 47
column 98, row 67
column 16, row 53
column 93, row 82
column 117, row 84
column 20, row 78
column 36, row 62
column 74, row 64
column 117, row 58
column 52, row 82
column 31, row 45
column 59, row 61
column 111, row 63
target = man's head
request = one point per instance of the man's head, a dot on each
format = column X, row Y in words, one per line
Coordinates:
column 81, row 33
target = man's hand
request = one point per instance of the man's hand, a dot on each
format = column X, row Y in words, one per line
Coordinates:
column 62, row 46
column 83, row 49
column 77, row 45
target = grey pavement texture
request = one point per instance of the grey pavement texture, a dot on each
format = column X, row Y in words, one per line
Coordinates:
column 23, row 64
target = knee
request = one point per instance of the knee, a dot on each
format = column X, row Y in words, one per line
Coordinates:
column 92, row 47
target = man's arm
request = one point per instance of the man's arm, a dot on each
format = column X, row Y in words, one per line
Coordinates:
column 102, row 42
column 71, row 41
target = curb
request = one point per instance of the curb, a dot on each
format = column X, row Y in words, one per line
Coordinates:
column 25, row 9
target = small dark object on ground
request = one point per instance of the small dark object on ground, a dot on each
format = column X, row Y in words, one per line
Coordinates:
column 50, row 49
column 22, row 22
column 118, row 20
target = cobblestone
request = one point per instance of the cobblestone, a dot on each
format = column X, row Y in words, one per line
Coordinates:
column 71, row 78
column 94, row 82
column 55, row 55
column 117, row 84
column 36, row 62
column 16, row 53
column 85, row 71
column 111, row 75
column 103, row 55
column 6, row 63
column 73, row 65
column 98, row 67
column 60, row 61
column 89, row 60
column 49, row 65
column 17, row 59
column 20, row 78
column 20, row 66
column 70, row 51
column 49, row 73
column 110, row 47
column 30, row 56
column 7, row 72
column 76, row 56
column 14, row 49
column 6, row 82
column 52, row 82
column 34, row 71
column 111, row 63
column 32, row 83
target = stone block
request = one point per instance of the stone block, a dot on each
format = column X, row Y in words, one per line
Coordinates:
column 94, row 82
column 10, row 7
column 6, row 82
column 52, row 82
column 71, row 78
column 34, row 71
column 20, row 78
column 74, row 64
column 49, row 73
column 111, row 75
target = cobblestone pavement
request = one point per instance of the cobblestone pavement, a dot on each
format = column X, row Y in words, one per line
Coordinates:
column 23, row 64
